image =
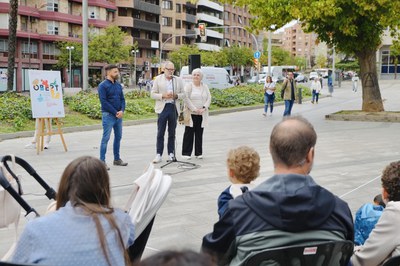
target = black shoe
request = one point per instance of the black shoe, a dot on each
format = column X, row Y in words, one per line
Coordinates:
column 120, row 163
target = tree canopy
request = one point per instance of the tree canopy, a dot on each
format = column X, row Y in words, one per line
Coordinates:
column 351, row 26
column 109, row 46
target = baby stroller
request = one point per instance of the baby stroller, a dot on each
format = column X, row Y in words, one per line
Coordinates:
column 149, row 192
column 11, row 200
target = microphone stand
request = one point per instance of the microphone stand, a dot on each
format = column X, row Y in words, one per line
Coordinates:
column 174, row 160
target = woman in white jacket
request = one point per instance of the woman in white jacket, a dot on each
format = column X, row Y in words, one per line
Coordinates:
column 316, row 88
column 384, row 240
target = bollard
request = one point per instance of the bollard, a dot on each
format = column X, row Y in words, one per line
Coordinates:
column 299, row 96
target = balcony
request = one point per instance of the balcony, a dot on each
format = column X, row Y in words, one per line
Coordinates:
column 212, row 33
column 142, row 43
column 146, row 25
column 210, row 4
column 191, row 18
column 209, row 18
column 124, row 3
column 124, row 22
column 208, row 47
column 146, row 7
column 191, row 32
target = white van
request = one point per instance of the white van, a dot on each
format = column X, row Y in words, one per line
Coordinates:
column 214, row 77
column 276, row 72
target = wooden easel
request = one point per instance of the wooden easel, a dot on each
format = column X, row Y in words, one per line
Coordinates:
column 42, row 132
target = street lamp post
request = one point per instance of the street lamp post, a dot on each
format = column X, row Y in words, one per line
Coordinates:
column 272, row 27
column 134, row 52
column 70, row 48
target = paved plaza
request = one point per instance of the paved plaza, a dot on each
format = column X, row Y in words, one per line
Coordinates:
column 349, row 159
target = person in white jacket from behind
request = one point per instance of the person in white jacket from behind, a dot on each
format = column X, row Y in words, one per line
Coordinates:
column 316, row 88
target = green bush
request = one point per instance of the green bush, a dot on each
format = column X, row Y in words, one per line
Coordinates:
column 87, row 103
column 15, row 109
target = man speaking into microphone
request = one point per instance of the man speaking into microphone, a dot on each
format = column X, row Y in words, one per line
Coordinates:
column 167, row 91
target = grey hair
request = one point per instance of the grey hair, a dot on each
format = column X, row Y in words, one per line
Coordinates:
column 198, row 70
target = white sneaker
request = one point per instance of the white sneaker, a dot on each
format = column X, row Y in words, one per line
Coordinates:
column 186, row 157
column 157, row 159
column 199, row 157
column 171, row 157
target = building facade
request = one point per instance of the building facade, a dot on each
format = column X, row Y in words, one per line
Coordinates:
column 40, row 26
column 140, row 19
column 299, row 43
column 236, row 19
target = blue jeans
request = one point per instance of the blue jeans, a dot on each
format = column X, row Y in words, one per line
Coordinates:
column 110, row 122
column 288, row 107
column 315, row 95
column 170, row 116
column 269, row 98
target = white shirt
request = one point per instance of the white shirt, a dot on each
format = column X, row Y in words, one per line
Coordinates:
column 269, row 87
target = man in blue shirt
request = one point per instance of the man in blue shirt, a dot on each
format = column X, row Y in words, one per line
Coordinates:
column 112, row 102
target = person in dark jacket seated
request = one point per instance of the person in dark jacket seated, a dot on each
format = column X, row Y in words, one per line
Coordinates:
column 288, row 208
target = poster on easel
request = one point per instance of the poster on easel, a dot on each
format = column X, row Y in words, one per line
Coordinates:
column 46, row 94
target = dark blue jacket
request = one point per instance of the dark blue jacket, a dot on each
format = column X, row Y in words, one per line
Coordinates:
column 283, row 210
column 111, row 97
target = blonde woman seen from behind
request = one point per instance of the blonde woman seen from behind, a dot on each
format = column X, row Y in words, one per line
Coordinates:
column 85, row 229
column 197, row 102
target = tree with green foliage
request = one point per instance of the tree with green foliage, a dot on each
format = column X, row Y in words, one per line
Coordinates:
column 279, row 56
column 352, row 27
column 395, row 53
column 238, row 56
column 180, row 57
column 109, row 46
column 63, row 57
column 321, row 61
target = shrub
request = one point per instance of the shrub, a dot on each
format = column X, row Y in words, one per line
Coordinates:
column 15, row 109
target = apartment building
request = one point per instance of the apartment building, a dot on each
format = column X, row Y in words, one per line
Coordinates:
column 178, row 23
column 299, row 43
column 41, row 23
column 210, row 13
column 140, row 19
column 235, row 20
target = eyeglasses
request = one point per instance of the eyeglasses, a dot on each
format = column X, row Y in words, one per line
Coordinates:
column 170, row 69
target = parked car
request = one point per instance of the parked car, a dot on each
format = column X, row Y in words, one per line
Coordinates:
column 252, row 80
column 262, row 79
column 313, row 75
column 301, row 78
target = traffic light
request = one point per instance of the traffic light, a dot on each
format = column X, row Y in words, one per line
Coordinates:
column 256, row 63
column 202, row 32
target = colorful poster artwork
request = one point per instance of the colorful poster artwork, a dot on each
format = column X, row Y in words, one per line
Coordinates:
column 46, row 93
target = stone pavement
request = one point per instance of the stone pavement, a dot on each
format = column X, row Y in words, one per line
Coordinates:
column 348, row 155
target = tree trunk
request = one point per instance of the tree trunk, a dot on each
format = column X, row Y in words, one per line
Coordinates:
column 12, row 43
column 371, row 95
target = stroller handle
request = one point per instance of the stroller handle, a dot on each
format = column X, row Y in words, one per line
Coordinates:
column 50, row 192
column 7, row 186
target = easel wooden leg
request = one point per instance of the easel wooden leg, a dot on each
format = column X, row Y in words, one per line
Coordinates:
column 59, row 131
column 39, row 135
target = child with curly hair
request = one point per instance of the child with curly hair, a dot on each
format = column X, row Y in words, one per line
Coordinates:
column 243, row 165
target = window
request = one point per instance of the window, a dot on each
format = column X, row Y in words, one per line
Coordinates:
column 93, row 13
column 3, row 45
column 240, row 20
column 122, row 12
column 167, row 21
column 178, row 40
column 150, row 53
column 33, row 50
column 226, row 15
column 165, row 37
column 52, row 5
column 52, row 27
column 178, row 24
column 167, row 5
column 178, row 8
column 50, row 51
